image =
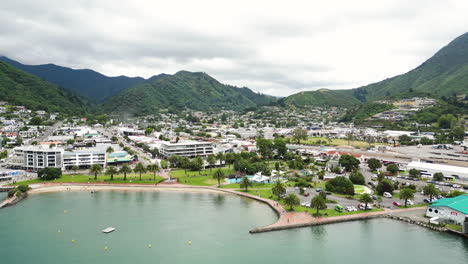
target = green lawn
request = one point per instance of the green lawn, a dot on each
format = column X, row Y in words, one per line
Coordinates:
column 266, row 193
column 454, row 227
column 336, row 142
column 131, row 178
column 196, row 178
column 359, row 189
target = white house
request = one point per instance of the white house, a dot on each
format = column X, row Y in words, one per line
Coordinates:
column 450, row 209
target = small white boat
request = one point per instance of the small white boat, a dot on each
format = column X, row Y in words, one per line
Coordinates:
column 108, row 230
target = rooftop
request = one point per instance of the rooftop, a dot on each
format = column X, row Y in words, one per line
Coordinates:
column 459, row 203
column 441, row 167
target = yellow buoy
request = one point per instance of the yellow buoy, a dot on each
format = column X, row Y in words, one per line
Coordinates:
column 65, row 211
column 150, row 246
column 73, row 241
column 106, row 248
column 190, row 242
column 59, row 232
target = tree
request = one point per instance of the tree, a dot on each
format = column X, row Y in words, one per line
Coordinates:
column 74, row 169
column 111, row 170
column 220, row 156
column 139, row 168
column 49, row 173
column 19, row 140
column 299, row 134
column 280, row 145
column 154, row 168
column 95, row 169
column 278, row 189
column 196, row 164
column 245, row 183
column 341, row 185
column 163, row 164
column 219, row 174
column 392, row 168
column 109, row 150
column 384, row 186
column 291, row 200
column 366, row 199
column 264, row 147
column 318, row 202
column 430, row 190
column 34, row 143
column 148, row 131
column 438, row 176
column 114, row 139
column 406, row 194
column 380, row 176
column 125, row 169
column 414, row 173
column 35, row 121
column 374, row 164
column 447, row 121
column 357, row 178
column 321, row 174
column 211, row 160
column 230, row 158
column 349, row 162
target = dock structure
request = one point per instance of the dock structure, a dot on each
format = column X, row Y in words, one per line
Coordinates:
column 5, row 188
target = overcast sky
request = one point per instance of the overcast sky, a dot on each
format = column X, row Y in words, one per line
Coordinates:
column 275, row 47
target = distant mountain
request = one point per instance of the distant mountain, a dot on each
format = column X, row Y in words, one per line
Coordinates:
column 444, row 74
column 87, row 83
column 21, row 88
column 322, row 97
column 194, row 90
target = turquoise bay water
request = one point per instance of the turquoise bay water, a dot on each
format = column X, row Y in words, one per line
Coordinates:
column 216, row 224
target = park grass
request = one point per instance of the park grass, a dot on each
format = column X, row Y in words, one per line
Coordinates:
column 454, row 227
column 336, row 142
column 196, row 178
column 132, row 178
column 329, row 212
column 359, row 189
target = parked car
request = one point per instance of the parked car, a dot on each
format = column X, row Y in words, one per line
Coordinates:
column 306, row 194
column 410, row 202
column 318, row 189
column 374, row 197
column 339, row 208
column 306, row 204
column 363, row 206
column 396, row 204
column 427, row 200
column 387, row 195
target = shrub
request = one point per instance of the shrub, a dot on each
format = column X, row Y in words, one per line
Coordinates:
column 12, row 192
column 24, row 188
column 341, row 185
column 49, row 173
column 393, row 168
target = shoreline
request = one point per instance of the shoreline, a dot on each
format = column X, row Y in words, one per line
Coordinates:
column 286, row 220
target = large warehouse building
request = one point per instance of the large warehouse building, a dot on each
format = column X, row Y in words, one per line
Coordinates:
column 448, row 170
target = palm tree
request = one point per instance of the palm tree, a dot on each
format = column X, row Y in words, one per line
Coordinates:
column 245, row 183
column 278, row 189
column 318, row 203
column 95, row 169
column 139, row 168
column 406, row 194
column 219, row 174
column 125, row 169
column 291, row 200
column 74, row 169
column 154, row 168
column 111, row 170
column 430, row 190
column 211, row 160
column 109, row 150
column 366, row 199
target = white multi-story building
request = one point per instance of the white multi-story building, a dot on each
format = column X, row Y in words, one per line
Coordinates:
column 83, row 159
column 187, row 149
column 35, row 158
column 38, row 157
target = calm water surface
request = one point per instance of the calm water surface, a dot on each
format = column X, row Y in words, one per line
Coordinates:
column 39, row 230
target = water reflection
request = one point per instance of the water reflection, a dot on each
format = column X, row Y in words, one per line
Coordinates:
column 218, row 200
column 319, row 232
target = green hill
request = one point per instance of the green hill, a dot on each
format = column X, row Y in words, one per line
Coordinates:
column 444, row 74
column 321, row 97
column 194, row 90
column 21, row 88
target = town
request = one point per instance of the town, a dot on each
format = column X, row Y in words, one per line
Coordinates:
column 287, row 156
